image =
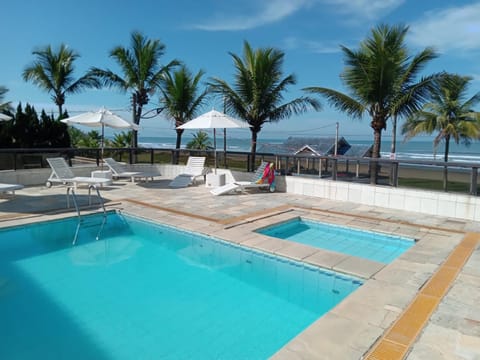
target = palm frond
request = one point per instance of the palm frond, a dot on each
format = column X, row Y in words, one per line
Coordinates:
column 340, row 101
column 109, row 78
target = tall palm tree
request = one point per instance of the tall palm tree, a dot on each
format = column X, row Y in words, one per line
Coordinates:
column 449, row 113
column 141, row 69
column 257, row 93
column 180, row 97
column 380, row 76
column 53, row 71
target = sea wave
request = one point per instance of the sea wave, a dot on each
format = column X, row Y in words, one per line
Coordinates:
column 455, row 157
column 415, row 150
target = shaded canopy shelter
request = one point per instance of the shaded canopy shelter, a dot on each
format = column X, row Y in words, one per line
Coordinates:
column 100, row 118
column 214, row 120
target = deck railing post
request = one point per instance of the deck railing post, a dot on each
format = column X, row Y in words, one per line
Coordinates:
column 395, row 174
column 334, row 169
column 473, row 181
column 445, row 178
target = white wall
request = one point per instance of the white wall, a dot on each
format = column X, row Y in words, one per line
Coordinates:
column 426, row 202
column 421, row 201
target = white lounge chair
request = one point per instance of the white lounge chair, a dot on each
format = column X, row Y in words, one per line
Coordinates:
column 120, row 171
column 257, row 181
column 195, row 168
column 10, row 188
column 61, row 173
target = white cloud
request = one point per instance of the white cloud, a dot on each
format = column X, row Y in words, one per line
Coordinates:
column 319, row 47
column 455, row 28
column 266, row 12
column 271, row 11
column 364, row 9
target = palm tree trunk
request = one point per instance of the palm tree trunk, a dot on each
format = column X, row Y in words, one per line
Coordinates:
column 178, row 144
column 393, row 155
column 134, row 117
column 393, row 149
column 253, row 150
column 445, row 158
column 138, row 115
column 377, row 140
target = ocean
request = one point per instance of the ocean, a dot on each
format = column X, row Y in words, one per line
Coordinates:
column 415, row 149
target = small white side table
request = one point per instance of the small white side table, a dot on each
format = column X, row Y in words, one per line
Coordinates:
column 215, row 180
column 103, row 174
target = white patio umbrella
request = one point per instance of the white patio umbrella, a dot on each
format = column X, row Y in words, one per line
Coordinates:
column 214, row 120
column 4, row 117
column 100, row 118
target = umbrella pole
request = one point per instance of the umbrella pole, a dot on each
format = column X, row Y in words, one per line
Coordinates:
column 215, row 149
column 102, row 146
column 225, row 148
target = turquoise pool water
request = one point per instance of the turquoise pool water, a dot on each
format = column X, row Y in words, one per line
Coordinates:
column 365, row 244
column 148, row 291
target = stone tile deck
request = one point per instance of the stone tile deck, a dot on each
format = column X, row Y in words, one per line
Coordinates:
column 445, row 322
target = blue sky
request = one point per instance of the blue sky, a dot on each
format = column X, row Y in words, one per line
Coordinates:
column 201, row 33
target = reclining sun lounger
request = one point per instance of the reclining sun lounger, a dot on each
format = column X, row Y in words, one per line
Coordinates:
column 263, row 178
column 195, row 168
column 61, row 173
column 120, row 171
column 10, row 188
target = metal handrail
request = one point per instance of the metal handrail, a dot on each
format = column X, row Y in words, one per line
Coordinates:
column 102, row 203
column 70, row 189
column 75, row 203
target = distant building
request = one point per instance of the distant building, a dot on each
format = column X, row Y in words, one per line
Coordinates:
column 318, row 146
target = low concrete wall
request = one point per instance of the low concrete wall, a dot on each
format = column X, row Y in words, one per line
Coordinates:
column 30, row 177
column 420, row 201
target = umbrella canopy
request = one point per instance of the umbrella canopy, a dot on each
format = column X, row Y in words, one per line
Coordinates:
column 214, row 120
column 100, row 118
column 4, row 117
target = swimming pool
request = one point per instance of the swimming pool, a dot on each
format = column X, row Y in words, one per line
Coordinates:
column 365, row 244
column 150, row 291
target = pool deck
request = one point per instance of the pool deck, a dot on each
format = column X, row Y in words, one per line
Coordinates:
column 424, row 305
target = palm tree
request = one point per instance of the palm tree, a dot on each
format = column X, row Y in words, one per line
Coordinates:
column 53, row 72
column 4, row 106
column 257, row 92
column 449, row 113
column 381, row 78
column 180, row 99
column 90, row 140
column 200, row 141
column 142, row 72
column 121, row 140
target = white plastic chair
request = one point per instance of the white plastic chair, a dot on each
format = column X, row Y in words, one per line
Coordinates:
column 61, row 173
column 120, row 171
column 195, row 168
column 253, row 183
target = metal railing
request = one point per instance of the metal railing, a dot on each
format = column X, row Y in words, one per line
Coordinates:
column 446, row 176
